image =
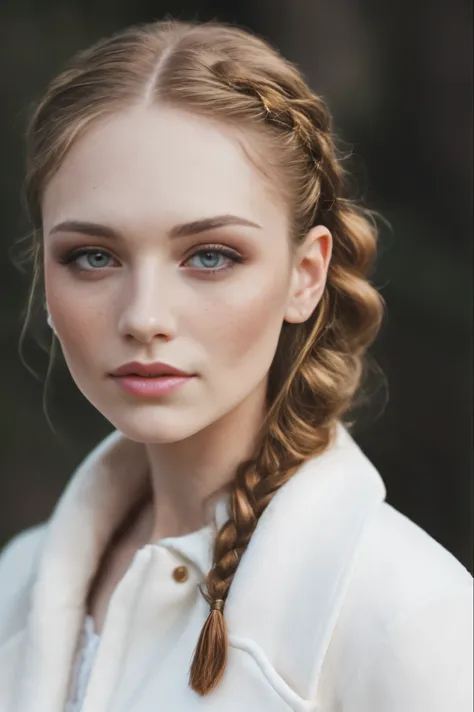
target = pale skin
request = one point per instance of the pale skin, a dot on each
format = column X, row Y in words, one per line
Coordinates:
column 144, row 295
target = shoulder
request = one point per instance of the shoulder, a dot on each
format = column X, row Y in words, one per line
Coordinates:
column 404, row 635
column 401, row 565
column 19, row 554
column 18, row 562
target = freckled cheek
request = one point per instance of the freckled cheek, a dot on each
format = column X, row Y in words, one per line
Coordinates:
column 79, row 324
column 246, row 322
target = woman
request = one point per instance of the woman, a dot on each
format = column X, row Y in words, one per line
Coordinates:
column 228, row 546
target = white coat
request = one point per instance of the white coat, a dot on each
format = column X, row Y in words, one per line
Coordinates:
column 340, row 603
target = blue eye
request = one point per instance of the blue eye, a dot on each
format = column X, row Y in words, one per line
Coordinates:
column 92, row 260
column 95, row 259
column 209, row 259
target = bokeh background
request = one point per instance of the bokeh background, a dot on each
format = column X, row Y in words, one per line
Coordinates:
column 398, row 78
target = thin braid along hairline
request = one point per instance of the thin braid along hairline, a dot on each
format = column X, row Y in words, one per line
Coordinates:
column 277, row 105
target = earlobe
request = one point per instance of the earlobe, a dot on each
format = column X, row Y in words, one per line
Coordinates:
column 50, row 322
column 309, row 274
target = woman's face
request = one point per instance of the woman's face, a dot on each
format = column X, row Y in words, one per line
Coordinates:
column 179, row 254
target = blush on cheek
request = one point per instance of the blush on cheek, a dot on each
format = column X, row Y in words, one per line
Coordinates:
column 251, row 328
column 80, row 332
column 78, row 356
column 76, row 332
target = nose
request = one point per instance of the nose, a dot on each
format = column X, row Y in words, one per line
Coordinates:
column 148, row 313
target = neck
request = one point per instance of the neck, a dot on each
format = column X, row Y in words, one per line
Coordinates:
column 186, row 476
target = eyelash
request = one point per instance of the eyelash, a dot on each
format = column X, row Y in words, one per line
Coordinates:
column 69, row 258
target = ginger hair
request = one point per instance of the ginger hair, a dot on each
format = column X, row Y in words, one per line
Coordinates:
column 230, row 75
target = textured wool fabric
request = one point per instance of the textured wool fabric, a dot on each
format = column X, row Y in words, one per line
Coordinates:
column 340, row 603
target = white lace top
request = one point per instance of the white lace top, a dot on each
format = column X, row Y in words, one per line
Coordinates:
column 85, row 654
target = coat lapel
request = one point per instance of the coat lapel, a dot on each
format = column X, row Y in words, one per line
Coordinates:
column 99, row 495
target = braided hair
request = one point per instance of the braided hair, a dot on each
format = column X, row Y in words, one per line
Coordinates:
column 230, row 75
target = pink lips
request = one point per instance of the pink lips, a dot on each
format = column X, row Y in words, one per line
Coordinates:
column 152, row 387
column 150, row 380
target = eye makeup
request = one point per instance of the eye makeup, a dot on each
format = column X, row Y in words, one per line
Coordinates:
column 71, row 258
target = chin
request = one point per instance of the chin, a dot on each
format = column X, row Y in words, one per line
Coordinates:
column 148, row 427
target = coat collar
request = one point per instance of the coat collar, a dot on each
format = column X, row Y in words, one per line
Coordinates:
column 310, row 528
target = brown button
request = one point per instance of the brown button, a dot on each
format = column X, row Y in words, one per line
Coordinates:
column 180, row 574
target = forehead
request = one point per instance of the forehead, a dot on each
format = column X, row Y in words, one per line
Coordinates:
column 159, row 164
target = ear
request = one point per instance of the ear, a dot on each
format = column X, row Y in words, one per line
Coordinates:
column 310, row 267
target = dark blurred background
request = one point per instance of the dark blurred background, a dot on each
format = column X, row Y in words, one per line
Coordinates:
column 398, row 78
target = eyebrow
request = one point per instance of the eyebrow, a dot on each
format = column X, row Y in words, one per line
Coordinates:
column 183, row 230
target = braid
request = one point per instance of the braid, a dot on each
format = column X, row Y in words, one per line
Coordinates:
column 254, row 485
column 332, row 370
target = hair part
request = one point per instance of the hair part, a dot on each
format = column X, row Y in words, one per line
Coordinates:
column 230, row 75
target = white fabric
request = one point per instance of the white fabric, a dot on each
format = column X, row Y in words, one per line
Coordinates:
column 340, row 603
column 84, row 660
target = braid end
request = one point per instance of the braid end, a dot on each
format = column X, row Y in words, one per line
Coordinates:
column 210, row 655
